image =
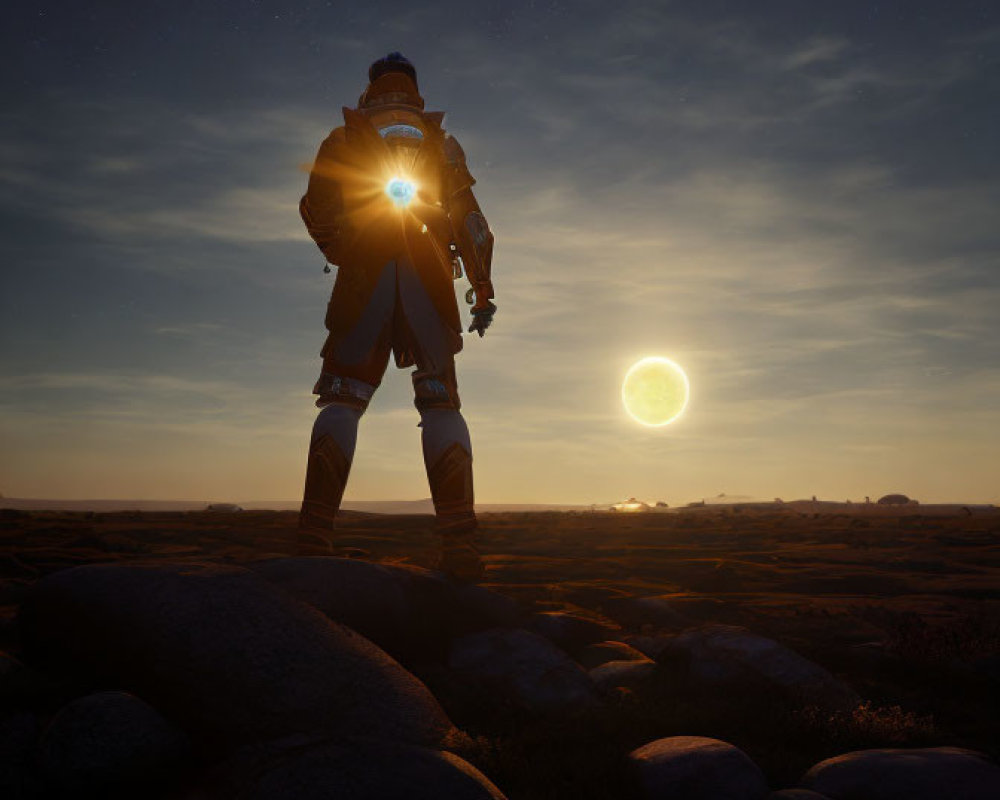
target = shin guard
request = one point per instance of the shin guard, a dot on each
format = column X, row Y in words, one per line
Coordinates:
column 331, row 450
column 450, row 478
column 326, row 477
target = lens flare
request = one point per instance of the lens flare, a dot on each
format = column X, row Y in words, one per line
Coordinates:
column 401, row 191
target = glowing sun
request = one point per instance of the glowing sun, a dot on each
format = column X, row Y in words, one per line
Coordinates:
column 655, row 391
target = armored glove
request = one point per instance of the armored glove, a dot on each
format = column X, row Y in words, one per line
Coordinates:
column 482, row 317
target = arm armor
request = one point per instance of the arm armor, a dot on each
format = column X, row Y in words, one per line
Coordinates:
column 322, row 206
column 469, row 226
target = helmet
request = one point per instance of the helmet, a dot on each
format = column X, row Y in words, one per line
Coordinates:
column 394, row 62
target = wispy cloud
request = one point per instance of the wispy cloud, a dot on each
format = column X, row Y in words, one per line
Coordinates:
column 778, row 204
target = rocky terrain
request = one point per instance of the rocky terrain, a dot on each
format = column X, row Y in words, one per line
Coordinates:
column 718, row 652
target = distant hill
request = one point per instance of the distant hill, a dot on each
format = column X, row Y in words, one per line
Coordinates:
column 370, row 506
column 711, row 505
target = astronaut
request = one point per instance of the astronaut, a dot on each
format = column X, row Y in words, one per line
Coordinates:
column 390, row 203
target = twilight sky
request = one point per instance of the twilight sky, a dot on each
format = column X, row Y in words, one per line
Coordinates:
column 797, row 201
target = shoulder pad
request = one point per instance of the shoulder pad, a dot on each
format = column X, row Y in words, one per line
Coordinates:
column 331, row 146
column 353, row 118
column 359, row 128
column 453, row 151
column 337, row 135
column 434, row 118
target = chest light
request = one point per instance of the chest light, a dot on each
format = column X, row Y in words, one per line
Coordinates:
column 401, row 191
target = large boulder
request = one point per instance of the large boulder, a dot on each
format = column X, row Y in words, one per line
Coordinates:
column 369, row 598
column 723, row 655
column 478, row 608
column 621, row 674
column 9, row 666
column 930, row 773
column 226, row 654
column 523, row 666
column 18, row 776
column 635, row 612
column 570, row 632
column 14, row 681
column 359, row 770
column 109, row 740
column 408, row 611
column 696, row 768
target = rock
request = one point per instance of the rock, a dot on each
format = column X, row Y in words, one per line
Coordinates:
column 109, row 740
column 18, row 734
column 408, row 611
column 361, row 771
column 13, row 680
column 723, row 655
column 368, row 598
column 462, row 608
column 9, row 666
column 649, row 646
column 626, row 674
column 593, row 655
column 870, row 655
column 524, row 666
column 931, row 773
column 570, row 632
column 672, row 612
column 229, row 656
column 796, row 794
column 25, row 689
column 480, row 608
column 634, row 612
column 696, row 768
column 987, row 666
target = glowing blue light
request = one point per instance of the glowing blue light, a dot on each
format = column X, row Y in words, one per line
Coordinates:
column 401, row 191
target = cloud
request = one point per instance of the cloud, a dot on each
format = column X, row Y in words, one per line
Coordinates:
column 778, row 205
column 817, row 50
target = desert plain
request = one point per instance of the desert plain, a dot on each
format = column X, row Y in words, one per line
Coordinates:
column 900, row 605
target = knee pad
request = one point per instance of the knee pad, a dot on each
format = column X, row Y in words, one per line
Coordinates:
column 339, row 422
column 341, row 390
column 435, row 393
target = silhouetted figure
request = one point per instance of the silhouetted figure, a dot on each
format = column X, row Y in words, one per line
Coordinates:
column 390, row 203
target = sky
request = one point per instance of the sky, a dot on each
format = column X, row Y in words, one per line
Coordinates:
column 796, row 201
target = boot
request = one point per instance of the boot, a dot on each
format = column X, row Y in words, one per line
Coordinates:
column 458, row 557
column 326, row 477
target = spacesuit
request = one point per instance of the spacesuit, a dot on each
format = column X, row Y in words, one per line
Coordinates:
column 389, row 202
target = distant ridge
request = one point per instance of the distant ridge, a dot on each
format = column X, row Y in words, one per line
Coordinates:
column 370, row 506
column 426, row 507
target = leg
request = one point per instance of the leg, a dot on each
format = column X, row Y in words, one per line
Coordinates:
column 448, row 459
column 352, row 370
column 446, row 446
column 331, row 450
column 447, row 454
column 445, row 436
